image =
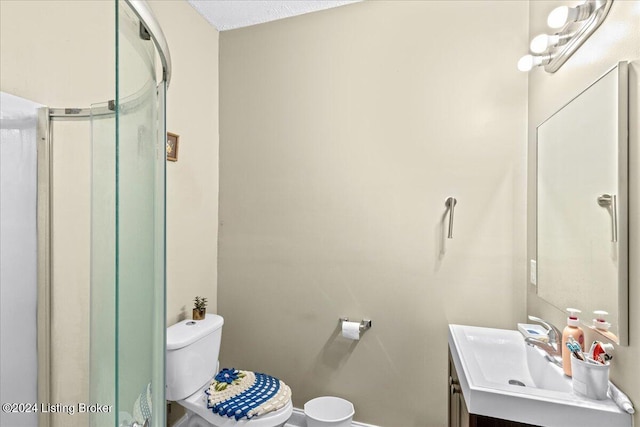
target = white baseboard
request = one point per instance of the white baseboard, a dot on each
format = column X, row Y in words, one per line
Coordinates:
column 182, row 421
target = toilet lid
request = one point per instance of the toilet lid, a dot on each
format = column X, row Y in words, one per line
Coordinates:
column 197, row 403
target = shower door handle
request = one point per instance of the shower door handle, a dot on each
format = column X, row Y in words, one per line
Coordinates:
column 450, row 203
column 606, row 201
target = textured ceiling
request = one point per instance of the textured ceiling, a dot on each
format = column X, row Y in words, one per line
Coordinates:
column 230, row 14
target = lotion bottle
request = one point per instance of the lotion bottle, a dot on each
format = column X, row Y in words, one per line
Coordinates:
column 602, row 326
column 572, row 329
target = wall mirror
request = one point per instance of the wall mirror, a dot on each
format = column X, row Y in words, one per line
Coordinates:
column 582, row 204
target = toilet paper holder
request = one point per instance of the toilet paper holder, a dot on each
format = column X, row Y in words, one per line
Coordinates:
column 364, row 324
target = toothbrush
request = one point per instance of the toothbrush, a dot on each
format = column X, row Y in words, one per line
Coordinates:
column 575, row 348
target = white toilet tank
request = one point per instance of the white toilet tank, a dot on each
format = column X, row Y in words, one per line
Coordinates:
column 193, row 347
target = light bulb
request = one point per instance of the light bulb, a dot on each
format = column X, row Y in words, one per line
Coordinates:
column 558, row 17
column 542, row 42
column 525, row 63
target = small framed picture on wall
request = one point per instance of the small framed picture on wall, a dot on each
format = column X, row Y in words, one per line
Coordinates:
column 172, row 146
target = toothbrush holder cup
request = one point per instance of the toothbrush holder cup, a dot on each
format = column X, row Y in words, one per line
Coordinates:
column 590, row 379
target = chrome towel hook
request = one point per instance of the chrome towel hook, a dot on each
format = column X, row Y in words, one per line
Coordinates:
column 609, row 201
column 450, row 203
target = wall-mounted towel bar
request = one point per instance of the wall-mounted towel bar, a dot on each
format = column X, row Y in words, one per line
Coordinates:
column 450, row 203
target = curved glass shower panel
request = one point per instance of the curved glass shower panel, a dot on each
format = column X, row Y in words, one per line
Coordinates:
column 128, row 237
column 139, row 226
column 102, row 363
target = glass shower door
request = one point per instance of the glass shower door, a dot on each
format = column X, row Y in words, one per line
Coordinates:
column 140, row 238
column 102, row 360
column 128, row 237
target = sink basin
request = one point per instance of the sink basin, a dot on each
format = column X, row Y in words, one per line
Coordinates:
column 503, row 377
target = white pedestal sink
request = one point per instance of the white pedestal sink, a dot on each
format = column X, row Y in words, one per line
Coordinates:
column 503, row 377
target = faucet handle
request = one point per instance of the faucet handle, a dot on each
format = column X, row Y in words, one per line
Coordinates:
column 542, row 322
column 553, row 333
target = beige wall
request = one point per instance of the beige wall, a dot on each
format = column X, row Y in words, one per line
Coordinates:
column 44, row 46
column 617, row 39
column 61, row 54
column 342, row 134
column 192, row 181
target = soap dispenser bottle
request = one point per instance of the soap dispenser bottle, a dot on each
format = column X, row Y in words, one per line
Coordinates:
column 571, row 330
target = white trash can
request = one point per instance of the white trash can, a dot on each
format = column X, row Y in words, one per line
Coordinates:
column 328, row 411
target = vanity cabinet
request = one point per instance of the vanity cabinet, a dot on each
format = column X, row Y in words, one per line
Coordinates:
column 459, row 416
column 458, row 413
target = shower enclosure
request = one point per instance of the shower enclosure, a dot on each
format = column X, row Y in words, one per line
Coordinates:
column 124, row 347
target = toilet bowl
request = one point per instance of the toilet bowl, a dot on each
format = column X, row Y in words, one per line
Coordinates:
column 192, row 363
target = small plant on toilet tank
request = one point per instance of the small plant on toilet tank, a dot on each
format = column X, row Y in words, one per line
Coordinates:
column 199, row 308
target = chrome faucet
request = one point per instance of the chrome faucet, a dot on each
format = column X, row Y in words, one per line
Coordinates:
column 554, row 346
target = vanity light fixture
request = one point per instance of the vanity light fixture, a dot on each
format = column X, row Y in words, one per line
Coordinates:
column 575, row 25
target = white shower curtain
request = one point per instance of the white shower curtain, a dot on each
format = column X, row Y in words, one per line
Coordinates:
column 18, row 257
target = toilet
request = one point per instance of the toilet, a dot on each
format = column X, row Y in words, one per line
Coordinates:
column 192, row 363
